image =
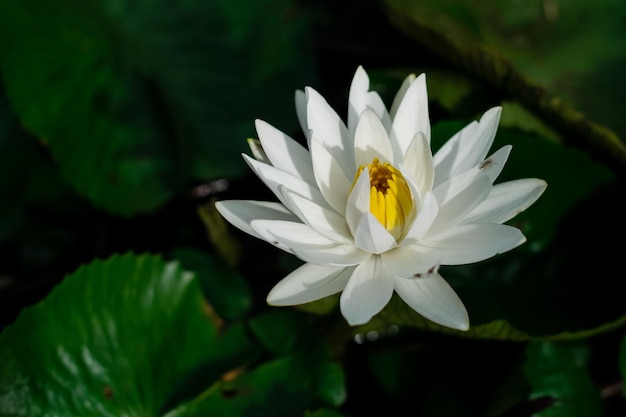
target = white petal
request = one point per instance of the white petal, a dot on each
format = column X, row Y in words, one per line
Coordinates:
column 372, row 237
column 300, row 100
column 424, row 219
column 432, row 297
column 493, row 165
column 277, row 179
column 406, row 261
column 240, row 213
column 338, row 255
column 257, row 151
column 406, row 83
column 284, row 152
column 448, row 189
column 356, row 98
column 329, row 128
column 358, row 201
column 411, row 116
column 369, row 289
column 454, row 211
column 291, row 234
column 309, row 283
column 371, row 140
column 324, row 221
column 469, row 243
column 330, row 176
column 468, row 147
column 506, row 200
column 418, row 160
column 360, row 98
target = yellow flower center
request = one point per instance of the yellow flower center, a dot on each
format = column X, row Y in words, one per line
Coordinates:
column 390, row 196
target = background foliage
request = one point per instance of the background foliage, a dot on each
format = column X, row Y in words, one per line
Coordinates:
column 122, row 292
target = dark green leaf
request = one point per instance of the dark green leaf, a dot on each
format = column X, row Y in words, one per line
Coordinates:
column 280, row 330
column 286, row 386
column 557, row 373
column 114, row 338
column 137, row 100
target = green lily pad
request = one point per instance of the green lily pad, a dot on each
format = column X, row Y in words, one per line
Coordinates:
column 116, row 337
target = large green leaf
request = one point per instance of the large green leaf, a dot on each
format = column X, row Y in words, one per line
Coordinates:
column 116, row 337
column 137, row 100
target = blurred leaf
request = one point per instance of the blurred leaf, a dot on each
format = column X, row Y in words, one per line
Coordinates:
column 545, row 41
column 280, row 330
column 138, row 100
column 558, row 372
column 116, row 337
column 226, row 290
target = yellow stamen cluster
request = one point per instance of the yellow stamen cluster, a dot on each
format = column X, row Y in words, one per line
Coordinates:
column 390, row 196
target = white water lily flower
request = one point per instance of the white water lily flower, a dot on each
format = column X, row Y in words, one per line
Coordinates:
column 372, row 211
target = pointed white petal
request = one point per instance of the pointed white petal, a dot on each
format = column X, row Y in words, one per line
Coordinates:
column 372, row 237
column 468, row 147
column 309, row 283
column 407, row 261
column 424, row 219
column 369, row 289
column 406, row 83
column 493, row 165
column 300, row 99
column 358, row 201
column 469, row 243
column 418, row 160
column 330, row 176
column 329, row 129
column 324, row 221
column 506, row 200
column 240, row 213
column 450, row 154
column 277, row 179
column 360, row 99
column 284, row 152
column 454, row 210
column 257, row 151
column 291, row 234
column 411, row 116
column 338, row 255
column 371, row 140
column 432, row 297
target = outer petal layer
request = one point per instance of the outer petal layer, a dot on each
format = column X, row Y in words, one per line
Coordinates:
column 369, row 289
column 469, row 243
column 506, row 200
column 241, row 213
column 433, row 298
column 309, row 283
